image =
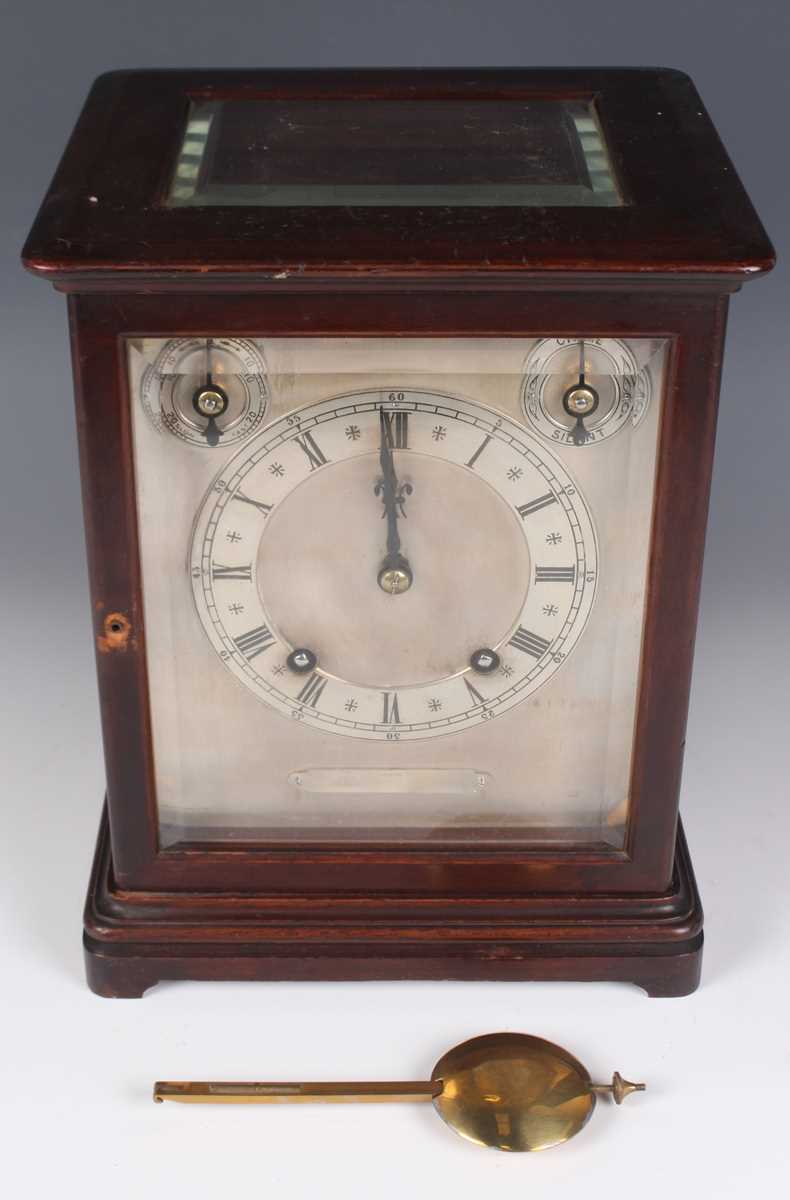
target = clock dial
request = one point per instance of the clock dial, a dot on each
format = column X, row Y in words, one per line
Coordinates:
column 428, row 562
column 578, row 392
column 207, row 391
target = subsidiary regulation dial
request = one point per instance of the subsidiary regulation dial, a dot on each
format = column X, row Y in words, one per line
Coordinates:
column 208, row 391
column 580, row 391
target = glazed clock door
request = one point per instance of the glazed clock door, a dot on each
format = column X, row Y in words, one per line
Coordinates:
column 394, row 589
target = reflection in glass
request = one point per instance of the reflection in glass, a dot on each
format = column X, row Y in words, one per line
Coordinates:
column 531, row 545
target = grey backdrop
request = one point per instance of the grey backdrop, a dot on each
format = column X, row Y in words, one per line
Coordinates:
column 735, row 795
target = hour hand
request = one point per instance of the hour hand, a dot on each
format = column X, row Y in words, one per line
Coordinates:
column 395, row 574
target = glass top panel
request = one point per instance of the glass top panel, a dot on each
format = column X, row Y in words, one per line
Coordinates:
column 405, row 153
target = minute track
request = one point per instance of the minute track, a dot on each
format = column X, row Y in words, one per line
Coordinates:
column 567, row 574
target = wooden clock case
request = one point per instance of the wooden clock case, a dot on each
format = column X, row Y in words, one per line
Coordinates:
column 663, row 264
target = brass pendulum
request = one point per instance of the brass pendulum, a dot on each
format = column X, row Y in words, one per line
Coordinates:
column 510, row 1091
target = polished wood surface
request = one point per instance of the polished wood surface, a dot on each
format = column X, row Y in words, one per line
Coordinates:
column 135, row 939
column 686, row 214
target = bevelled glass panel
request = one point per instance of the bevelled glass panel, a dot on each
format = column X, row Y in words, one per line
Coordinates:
column 405, row 153
column 488, row 693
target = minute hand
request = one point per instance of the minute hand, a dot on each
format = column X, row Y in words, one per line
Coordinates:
column 395, row 574
column 389, row 490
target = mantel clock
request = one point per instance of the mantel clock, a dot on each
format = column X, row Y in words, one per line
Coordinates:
column 396, row 395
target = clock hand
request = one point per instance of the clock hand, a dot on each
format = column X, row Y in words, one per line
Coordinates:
column 213, row 432
column 395, row 574
column 579, row 432
column 580, row 401
column 210, row 401
column 389, row 489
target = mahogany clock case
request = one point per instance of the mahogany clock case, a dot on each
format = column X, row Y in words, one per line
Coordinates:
column 663, row 264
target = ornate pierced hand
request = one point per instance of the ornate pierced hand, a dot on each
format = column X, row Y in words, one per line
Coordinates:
column 395, row 575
